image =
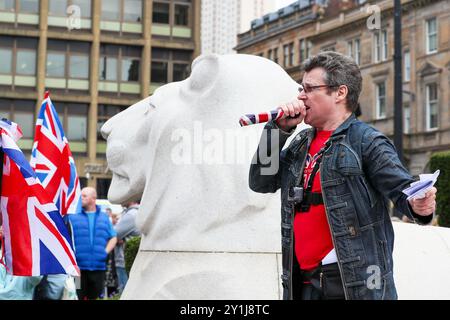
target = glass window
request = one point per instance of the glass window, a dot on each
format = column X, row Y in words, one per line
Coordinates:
column 5, row 109
column 132, row 10
column 130, row 69
column 381, row 100
column 431, row 35
column 24, row 116
column 56, row 64
column 357, row 51
column 26, row 62
column 108, row 68
column 85, row 7
column 160, row 12
column 76, row 122
column 180, row 71
column 385, row 45
column 181, row 15
column 111, row 10
column 57, row 7
column 159, row 72
column 7, row 5
column 79, row 66
column 6, row 60
column 31, row 6
column 407, row 65
column 302, row 55
column 432, row 106
column 407, row 119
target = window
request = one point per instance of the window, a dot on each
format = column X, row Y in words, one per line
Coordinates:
column 288, row 55
column 111, row 10
column 21, row 112
column 68, row 59
column 6, row 58
column 7, row 5
column 181, row 15
column 119, row 63
column 105, row 112
column 381, row 100
column 407, row 117
column 269, row 54
column 59, row 7
column 18, row 56
column 380, row 46
column 302, row 50
column 354, row 50
column 407, row 66
column 122, row 10
column 132, row 10
column 275, row 55
column 432, row 106
column 29, row 6
column 78, row 66
column 73, row 117
column 431, row 34
column 26, row 57
column 172, row 12
column 20, row 6
column 170, row 65
column 161, row 13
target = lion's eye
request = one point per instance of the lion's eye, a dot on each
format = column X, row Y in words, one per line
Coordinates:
column 152, row 106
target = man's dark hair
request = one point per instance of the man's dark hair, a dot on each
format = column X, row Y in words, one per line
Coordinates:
column 340, row 70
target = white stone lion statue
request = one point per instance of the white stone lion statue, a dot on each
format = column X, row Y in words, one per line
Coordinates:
column 206, row 235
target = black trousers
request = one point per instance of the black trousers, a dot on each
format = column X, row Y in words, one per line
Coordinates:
column 92, row 284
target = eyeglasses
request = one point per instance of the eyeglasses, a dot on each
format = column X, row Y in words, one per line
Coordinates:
column 308, row 89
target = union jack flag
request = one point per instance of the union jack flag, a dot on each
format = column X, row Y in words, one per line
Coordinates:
column 37, row 241
column 52, row 160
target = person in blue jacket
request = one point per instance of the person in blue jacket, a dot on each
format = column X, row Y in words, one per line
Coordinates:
column 94, row 238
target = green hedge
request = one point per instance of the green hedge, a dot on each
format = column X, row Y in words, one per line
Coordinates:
column 131, row 250
column 441, row 161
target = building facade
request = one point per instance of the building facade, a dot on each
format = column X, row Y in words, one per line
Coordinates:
column 364, row 30
column 96, row 58
column 223, row 20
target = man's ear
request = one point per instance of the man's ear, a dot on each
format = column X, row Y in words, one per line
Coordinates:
column 341, row 93
column 205, row 70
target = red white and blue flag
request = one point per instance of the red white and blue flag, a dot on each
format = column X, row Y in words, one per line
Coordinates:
column 52, row 160
column 36, row 240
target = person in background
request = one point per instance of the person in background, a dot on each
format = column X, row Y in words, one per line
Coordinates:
column 125, row 228
column 94, row 238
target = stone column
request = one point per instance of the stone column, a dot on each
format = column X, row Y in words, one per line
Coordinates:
column 93, row 108
column 196, row 27
column 42, row 53
column 146, row 59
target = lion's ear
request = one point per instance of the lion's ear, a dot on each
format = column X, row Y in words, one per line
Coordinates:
column 205, row 70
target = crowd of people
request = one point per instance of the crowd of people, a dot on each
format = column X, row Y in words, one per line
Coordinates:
column 99, row 239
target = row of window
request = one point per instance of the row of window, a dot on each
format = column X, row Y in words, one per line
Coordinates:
column 73, row 117
column 431, row 106
column 164, row 11
column 380, row 47
column 71, row 59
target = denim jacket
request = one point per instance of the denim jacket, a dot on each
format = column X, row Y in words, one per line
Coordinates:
column 359, row 172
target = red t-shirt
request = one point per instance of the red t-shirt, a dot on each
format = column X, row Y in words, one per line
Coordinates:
column 311, row 230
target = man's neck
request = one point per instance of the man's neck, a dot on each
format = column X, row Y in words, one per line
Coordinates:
column 334, row 123
column 90, row 209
